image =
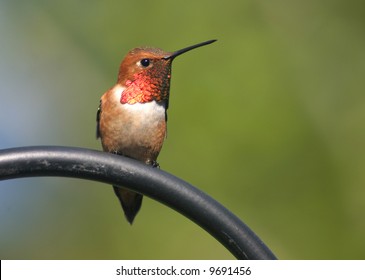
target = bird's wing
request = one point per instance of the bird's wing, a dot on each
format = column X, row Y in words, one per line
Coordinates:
column 98, row 121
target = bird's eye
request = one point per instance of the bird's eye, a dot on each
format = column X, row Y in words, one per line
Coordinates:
column 145, row 62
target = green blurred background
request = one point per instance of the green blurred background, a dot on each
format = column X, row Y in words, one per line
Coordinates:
column 269, row 121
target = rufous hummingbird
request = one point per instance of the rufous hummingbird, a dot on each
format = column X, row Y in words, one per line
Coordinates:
column 131, row 118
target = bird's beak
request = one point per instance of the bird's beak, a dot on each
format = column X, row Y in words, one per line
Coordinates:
column 184, row 50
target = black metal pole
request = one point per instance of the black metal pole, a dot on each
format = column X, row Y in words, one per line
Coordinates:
column 82, row 163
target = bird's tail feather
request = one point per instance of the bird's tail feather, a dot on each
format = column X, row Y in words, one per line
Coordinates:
column 131, row 202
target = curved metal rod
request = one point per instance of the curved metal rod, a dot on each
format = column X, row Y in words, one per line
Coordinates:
column 157, row 184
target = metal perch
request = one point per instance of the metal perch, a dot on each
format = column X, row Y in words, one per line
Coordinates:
column 82, row 163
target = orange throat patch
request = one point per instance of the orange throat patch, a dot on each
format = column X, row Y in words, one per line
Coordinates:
column 144, row 89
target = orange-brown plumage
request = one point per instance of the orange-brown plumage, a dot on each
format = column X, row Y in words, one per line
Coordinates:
column 132, row 130
column 131, row 119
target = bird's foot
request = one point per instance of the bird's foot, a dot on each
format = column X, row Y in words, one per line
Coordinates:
column 153, row 163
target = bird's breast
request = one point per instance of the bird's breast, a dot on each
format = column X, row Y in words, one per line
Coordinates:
column 135, row 130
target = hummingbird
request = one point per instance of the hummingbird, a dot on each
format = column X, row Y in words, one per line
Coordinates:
column 132, row 115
